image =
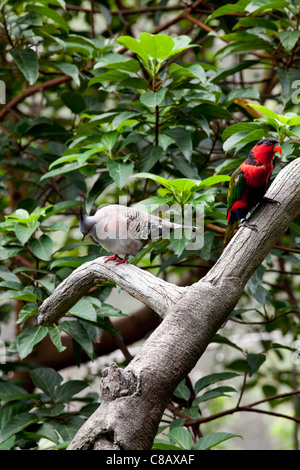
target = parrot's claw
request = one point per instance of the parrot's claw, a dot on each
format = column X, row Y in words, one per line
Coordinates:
column 271, row 201
column 247, row 224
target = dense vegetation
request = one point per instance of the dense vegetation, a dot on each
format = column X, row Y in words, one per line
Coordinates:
column 147, row 103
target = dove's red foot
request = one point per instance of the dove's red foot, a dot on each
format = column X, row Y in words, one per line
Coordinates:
column 123, row 260
column 117, row 259
column 112, row 258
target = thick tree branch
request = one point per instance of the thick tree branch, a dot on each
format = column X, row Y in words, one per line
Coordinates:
column 134, row 398
column 152, row 291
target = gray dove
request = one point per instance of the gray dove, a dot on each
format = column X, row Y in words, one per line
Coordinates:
column 125, row 230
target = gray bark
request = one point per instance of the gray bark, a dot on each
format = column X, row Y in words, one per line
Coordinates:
column 134, row 398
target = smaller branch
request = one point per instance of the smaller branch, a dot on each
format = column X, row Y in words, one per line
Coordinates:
column 217, row 229
column 92, row 19
column 243, row 388
column 31, row 91
column 156, row 125
column 178, row 17
column 124, row 11
column 6, row 28
column 152, row 291
column 269, row 320
column 249, row 407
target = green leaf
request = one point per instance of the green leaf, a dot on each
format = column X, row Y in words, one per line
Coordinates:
column 10, row 252
column 110, row 76
column 66, row 391
column 294, row 121
column 47, row 380
column 109, row 139
column 54, row 333
column 179, row 241
column 223, row 340
column 46, row 431
column 28, row 338
column 84, row 309
column 221, row 74
column 8, row 443
column 101, row 183
column 254, row 362
column 11, row 392
column 74, row 101
column 255, row 288
column 18, row 295
column 27, row 62
column 289, row 80
column 70, row 261
column 157, row 46
column 16, row 424
column 183, row 140
column 266, row 111
column 119, row 171
column 240, row 127
column 261, row 6
column 181, row 43
column 240, row 139
column 42, row 247
column 241, row 93
column 68, row 427
column 48, row 13
column 254, row 22
column 118, row 62
column 59, row 207
column 127, row 118
column 182, row 437
column 135, row 83
column 182, row 391
column 216, row 392
column 228, row 9
column 152, row 99
column 134, row 46
column 150, row 156
column 179, row 72
column 211, row 111
column 80, row 335
column 289, row 39
column 205, row 252
column 213, row 180
column 24, row 232
column 8, row 275
column 164, row 445
column 15, row 286
column 211, row 440
column 28, row 311
column 69, row 69
column 213, row 378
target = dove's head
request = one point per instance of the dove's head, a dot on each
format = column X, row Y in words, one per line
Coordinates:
column 85, row 224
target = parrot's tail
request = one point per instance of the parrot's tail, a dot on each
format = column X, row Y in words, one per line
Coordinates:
column 231, row 227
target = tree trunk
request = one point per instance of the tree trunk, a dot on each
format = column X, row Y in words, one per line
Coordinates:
column 134, row 398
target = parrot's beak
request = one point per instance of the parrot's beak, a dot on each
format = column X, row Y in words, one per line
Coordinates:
column 278, row 149
column 83, row 237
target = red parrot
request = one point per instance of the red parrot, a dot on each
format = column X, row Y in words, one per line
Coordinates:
column 248, row 184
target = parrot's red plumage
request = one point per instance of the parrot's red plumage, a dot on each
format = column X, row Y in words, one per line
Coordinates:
column 248, row 183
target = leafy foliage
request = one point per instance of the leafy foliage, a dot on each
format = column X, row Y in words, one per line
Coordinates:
column 96, row 113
